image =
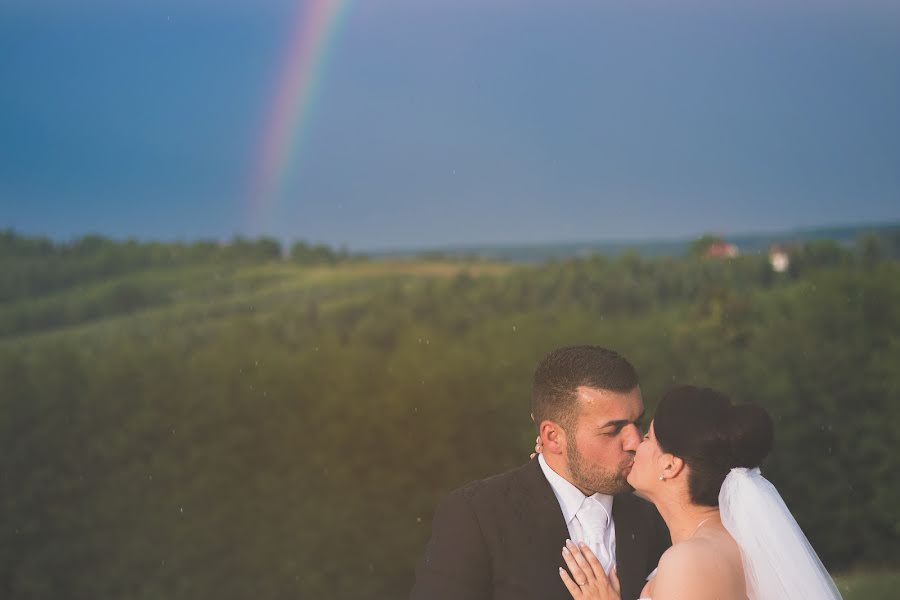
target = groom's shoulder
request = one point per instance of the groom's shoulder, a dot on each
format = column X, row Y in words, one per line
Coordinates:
column 495, row 486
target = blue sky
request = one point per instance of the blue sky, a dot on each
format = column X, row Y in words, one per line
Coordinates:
column 453, row 122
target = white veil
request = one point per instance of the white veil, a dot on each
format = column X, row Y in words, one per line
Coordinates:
column 779, row 563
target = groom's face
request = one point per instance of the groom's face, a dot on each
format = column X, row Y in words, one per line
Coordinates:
column 600, row 452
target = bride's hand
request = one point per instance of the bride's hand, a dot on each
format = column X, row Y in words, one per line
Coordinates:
column 538, row 447
column 588, row 580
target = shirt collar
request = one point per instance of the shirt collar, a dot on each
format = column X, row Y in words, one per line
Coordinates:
column 570, row 497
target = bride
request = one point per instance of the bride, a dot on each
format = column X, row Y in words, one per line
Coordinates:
column 733, row 537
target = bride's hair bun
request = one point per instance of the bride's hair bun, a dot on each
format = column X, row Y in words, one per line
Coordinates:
column 703, row 428
column 752, row 433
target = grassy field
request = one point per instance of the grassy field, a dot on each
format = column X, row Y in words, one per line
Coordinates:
column 869, row 585
column 165, row 298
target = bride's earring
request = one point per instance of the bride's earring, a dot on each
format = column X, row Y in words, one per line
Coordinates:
column 662, row 478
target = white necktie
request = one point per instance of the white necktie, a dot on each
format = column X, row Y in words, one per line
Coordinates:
column 595, row 528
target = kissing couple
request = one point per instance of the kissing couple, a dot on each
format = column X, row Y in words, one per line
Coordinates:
column 609, row 512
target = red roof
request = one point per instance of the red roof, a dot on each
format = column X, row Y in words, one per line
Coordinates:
column 723, row 249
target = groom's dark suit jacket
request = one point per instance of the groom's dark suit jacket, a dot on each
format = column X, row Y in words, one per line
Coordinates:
column 501, row 539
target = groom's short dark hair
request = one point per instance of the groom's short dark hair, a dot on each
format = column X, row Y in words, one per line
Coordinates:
column 558, row 376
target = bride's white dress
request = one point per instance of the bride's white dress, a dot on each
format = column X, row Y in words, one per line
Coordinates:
column 778, row 560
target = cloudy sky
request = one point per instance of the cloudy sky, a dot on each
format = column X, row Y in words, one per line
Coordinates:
column 434, row 122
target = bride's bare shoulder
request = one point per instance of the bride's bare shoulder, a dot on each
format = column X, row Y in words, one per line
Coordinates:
column 705, row 549
column 701, row 567
column 689, row 555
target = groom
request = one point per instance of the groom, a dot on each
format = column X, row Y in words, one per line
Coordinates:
column 501, row 538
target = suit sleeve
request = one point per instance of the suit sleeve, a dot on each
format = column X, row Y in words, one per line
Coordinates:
column 456, row 565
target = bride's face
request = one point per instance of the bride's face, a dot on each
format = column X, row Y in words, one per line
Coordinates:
column 645, row 472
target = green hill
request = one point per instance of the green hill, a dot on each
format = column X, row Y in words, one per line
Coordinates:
column 244, row 425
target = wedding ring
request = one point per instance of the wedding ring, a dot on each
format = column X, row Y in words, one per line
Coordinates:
column 581, row 584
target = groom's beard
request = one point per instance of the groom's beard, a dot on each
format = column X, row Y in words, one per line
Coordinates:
column 596, row 478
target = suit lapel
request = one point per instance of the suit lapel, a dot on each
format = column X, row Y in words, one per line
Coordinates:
column 538, row 510
column 548, row 514
column 544, row 517
column 631, row 545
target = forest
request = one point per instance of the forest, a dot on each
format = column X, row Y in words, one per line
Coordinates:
column 234, row 420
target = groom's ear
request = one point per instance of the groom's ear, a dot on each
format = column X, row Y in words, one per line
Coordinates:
column 553, row 437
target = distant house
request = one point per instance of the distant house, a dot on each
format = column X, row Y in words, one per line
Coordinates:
column 779, row 258
column 721, row 249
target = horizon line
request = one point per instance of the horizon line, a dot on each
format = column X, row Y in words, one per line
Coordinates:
column 458, row 246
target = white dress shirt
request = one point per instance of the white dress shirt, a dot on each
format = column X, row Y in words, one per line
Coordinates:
column 600, row 532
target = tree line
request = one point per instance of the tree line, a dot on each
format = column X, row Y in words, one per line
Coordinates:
column 34, row 266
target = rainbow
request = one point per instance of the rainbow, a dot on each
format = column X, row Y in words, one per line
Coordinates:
column 288, row 119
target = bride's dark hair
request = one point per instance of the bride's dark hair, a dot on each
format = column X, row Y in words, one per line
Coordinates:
column 703, row 428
